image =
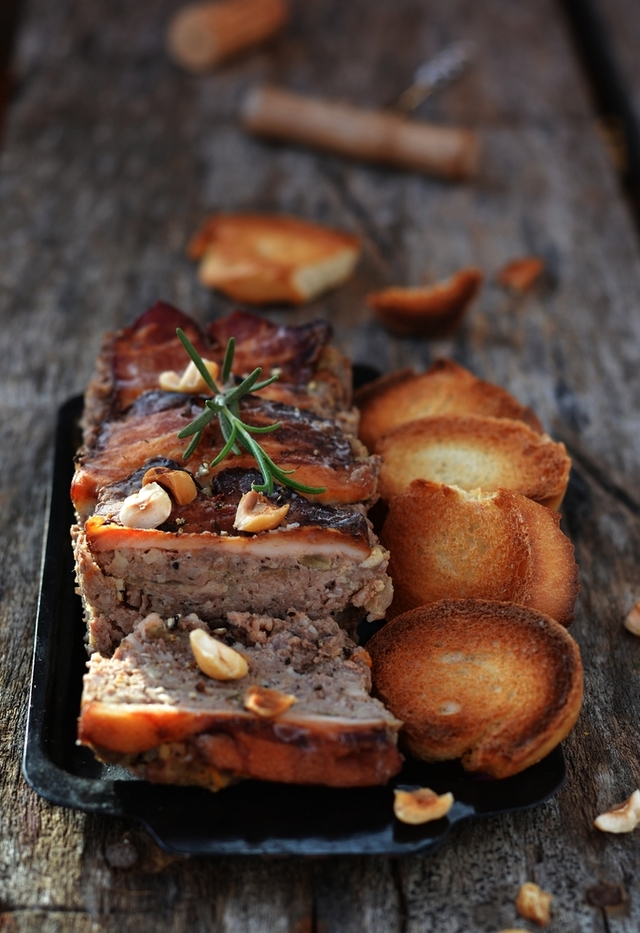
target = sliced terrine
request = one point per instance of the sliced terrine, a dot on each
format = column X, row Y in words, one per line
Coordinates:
column 151, row 708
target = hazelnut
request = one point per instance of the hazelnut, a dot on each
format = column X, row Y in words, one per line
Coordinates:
column 256, row 513
column 267, row 703
column 375, row 558
column 148, row 508
column 421, row 805
column 191, row 381
column 533, row 903
column 178, row 482
column 215, row 659
column 622, row 818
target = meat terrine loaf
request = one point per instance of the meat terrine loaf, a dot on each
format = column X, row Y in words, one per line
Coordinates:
column 301, row 714
column 322, row 558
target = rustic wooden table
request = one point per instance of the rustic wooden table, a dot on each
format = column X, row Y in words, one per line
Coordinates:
column 111, row 157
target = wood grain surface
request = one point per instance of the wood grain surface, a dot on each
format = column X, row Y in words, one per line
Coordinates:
column 111, row 158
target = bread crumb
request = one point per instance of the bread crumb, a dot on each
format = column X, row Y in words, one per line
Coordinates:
column 427, row 311
column 521, row 274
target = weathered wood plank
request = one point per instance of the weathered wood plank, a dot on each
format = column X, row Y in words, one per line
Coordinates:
column 111, row 159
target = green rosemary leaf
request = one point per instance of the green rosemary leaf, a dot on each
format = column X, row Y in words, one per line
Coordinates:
column 228, row 428
column 225, row 405
column 263, row 385
column 192, row 446
column 227, row 363
column 197, row 359
column 283, row 477
column 233, row 395
column 262, row 460
column 198, row 424
column 228, row 447
column 267, row 429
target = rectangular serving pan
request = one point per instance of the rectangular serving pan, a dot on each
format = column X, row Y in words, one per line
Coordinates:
column 249, row 818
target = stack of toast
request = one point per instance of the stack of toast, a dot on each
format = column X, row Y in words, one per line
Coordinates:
column 476, row 661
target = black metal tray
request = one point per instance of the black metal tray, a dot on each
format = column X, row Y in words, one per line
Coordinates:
column 250, row 818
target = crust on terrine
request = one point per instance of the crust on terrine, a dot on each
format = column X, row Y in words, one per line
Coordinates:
column 150, row 708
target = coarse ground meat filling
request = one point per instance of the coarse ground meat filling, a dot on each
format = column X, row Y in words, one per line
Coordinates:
column 314, row 660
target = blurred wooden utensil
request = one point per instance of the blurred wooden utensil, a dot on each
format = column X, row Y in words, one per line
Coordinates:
column 368, row 135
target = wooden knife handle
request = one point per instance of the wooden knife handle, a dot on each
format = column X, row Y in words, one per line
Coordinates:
column 202, row 35
column 374, row 136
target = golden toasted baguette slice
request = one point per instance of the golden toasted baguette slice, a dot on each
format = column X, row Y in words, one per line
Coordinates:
column 474, row 452
column 446, row 543
column 429, row 310
column 493, row 683
column 445, row 389
column 265, row 258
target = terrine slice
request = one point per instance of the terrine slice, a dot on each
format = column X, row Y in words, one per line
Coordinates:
column 151, row 708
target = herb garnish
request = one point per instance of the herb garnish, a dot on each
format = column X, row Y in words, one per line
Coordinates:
column 225, row 406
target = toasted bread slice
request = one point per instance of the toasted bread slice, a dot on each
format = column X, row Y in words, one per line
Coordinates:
column 474, row 453
column 429, row 310
column 446, row 543
column 493, row 683
column 445, row 389
column 260, row 259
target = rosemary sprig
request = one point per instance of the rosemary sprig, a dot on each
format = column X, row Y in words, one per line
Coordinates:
column 225, row 405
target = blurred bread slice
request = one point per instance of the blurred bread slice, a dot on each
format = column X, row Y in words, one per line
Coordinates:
column 429, row 310
column 261, row 258
column 445, row 389
column 446, row 543
column 474, row 452
column 493, row 683
column 203, row 35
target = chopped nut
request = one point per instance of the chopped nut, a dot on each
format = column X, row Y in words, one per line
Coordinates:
column 267, row 703
column 191, row 381
column 146, row 509
column 622, row 818
column 256, row 513
column 315, row 561
column 215, row 659
column 421, row 805
column 632, row 621
column 378, row 554
column 534, row 904
column 178, row 482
